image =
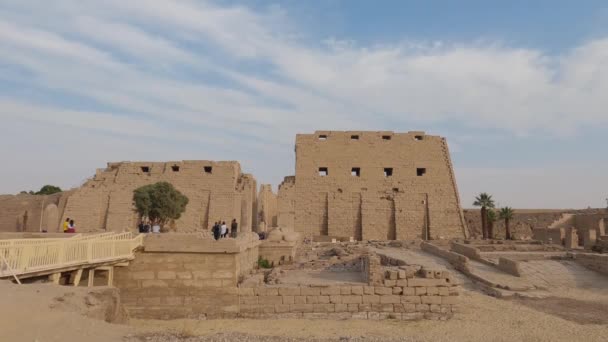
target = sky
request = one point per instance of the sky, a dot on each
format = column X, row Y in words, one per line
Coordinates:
column 518, row 88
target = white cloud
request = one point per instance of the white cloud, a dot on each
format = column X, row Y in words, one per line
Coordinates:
column 234, row 79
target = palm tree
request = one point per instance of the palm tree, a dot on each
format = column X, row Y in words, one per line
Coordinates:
column 506, row 214
column 491, row 219
column 484, row 201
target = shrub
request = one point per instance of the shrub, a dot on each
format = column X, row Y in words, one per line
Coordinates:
column 160, row 202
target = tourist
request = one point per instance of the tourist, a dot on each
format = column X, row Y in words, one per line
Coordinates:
column 224, row 229
column 147, row 227
column 66, row 225
column 233, row 228
column 156, row 228
column 216, row 230
column 71, row 227
column 141, row 227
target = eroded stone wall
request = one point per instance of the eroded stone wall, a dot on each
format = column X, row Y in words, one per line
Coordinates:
column 373, row 185
column 286, row 203
column 31, row 213
column 216, row 191
column 267, row 207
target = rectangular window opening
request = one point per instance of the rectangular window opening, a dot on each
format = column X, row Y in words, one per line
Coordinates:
column 208, row 169
column 175, row 168
column 145, row 169
column 355, row 172
column 388, row 171
column 386, row 137
column 354, row 137
column 322, row 137
column 420, row 171
column 418, row 137
column 323, row 171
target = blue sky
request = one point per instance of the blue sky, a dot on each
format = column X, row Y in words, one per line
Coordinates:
column 517, row 87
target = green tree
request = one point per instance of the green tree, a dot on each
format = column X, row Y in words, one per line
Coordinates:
column 484, row 201
column 159, row 202
column 506, row 214
column 48, row 190
column 491, row 220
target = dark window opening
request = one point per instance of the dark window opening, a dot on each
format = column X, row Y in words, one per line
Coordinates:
column 388, row 171
column 386, row 137
column 323, row 171
column 418, row 137
column 354, row 137
column 322, row 137
column 145, row 169
column 355, row 171
column 208, row 169
column 396, row 189
column 420, row 171
column 175, row 168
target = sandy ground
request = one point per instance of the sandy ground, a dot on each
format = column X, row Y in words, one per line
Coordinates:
column 33, row 313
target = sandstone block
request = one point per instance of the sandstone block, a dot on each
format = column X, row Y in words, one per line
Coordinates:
column 299, row 299
column 410, row 299
column 422, row 307
column 270, row 300
column 142, row 275
column 351, row 299
column 166, row 275
column 451, row 300
column 335, row 299
column 301, row 307
column 323, row 307
column 357, row 290
column 371, row 299
column 381, row 290
column 289, row 291
column 368, row 290
column 310, row 291
column 409, row 291
column 433, row 291
column 323, row 299
column 341, row 307
column 423, row 282
column 390, row 299
column 281, row 308
column 288, row 300
column 330, row 290
column 397, row 290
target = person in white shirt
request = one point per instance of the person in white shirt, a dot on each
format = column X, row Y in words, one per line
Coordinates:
column 224, row 229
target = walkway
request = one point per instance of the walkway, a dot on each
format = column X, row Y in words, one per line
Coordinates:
column 23, row 258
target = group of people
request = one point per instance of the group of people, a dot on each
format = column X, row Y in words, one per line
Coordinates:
column 220, row 229
column 147, row 227
column 68, row 226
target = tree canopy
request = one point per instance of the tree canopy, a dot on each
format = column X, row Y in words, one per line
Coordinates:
column 484, row 200
column 160, row 202
column 48, row 190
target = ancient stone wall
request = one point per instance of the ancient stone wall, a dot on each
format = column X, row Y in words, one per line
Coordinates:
column 216, row 191
column 203, row 285
column 31, row 213
column 286, row 203
column 374, row 185
column 267, row 207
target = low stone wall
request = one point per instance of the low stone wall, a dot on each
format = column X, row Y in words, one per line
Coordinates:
column 278, row 253
column 595, row 262
column 468, row 251
column 509, row 266
column 459, row 261
column 416, row 298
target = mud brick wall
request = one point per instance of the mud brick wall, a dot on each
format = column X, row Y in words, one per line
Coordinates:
column 216, row 191
column 356, row 199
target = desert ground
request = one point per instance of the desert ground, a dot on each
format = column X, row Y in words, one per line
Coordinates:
column 46, row 312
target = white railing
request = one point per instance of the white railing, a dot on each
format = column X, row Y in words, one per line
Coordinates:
column 27, row 257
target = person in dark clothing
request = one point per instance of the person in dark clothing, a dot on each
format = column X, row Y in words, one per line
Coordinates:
column 141, row 227
column 216, row 231
column 233, row 228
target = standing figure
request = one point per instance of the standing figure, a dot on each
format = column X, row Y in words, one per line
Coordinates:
column 216, row 231
column 66, row 225
column 71, row 227
column 234, row 228
column 224, row 229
